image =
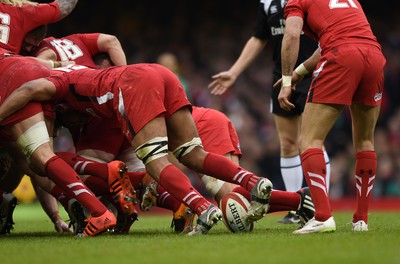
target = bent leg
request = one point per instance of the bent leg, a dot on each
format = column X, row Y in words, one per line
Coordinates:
column 161, row 169
column 181, row 129
column 47, row 163
column 218, row 188
column 318, row 119
column 199, row 160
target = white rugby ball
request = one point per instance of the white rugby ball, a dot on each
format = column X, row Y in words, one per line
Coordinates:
column 234, row 207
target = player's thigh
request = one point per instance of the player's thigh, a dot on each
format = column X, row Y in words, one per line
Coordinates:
column 317, row 121
column 154, row 128
column 181, row 128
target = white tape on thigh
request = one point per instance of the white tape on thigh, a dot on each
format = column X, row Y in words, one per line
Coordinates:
column 153, row 149
column 32, row 138
column 213, row 185
column 184, row 149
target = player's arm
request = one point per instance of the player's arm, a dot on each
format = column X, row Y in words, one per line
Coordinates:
column 291, row 44
column 47, row 54
column 48, row 57
column 36, row 90
column 50, row 206
column 66, row 7
column 304, row 68
column 224, row 80
column 112, row 46
column 54, row 64
column 289, row 54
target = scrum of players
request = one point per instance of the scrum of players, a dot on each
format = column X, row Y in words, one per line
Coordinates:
column 122, row 161
column 120, row 182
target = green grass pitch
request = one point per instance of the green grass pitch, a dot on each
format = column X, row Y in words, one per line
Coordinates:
column 152, row 241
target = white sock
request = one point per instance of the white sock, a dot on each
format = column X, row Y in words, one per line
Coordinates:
column 328, row 170
column 292, row 173
column 213, row 185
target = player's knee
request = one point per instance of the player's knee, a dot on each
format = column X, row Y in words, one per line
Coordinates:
column 289, row 148
column 186, row 148
column 32, row 138
column 152, row 149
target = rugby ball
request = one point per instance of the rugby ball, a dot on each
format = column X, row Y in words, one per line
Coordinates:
column 234, row 207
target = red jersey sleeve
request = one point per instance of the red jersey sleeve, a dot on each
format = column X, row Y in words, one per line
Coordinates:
column 41, row 14
column 293, row 8
column 90, row 41
column 61, row 81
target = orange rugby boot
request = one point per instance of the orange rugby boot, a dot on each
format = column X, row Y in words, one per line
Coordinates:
column 100, row 224
column 182, row 221
column 121, row 187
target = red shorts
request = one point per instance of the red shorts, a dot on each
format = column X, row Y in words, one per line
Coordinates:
column 347, row 75
column 16, row 70
column 216, row 131
column 147, row 91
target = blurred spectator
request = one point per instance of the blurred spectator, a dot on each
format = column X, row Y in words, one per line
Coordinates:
column 170, row 61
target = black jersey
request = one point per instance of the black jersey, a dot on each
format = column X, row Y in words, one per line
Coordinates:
column 271, row 27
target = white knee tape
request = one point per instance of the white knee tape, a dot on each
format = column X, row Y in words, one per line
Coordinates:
column 213, row 185
column 184, row 149
column 32, row 138
column 152, row 149
column 132, row 162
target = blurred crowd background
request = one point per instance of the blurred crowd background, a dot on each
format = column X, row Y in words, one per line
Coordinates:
column 207, row 36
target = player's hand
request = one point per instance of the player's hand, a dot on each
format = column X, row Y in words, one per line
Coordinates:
column 61, row 227
column 222, row 81
column 284, row 96
column 66, row 63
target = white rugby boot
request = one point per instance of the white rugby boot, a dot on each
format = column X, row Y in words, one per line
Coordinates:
column 315, row 226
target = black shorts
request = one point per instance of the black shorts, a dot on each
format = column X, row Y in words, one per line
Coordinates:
column 298, row 98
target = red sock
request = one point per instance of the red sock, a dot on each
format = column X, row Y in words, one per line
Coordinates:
column 314, row 169
column 60, row 195
column 283, row 201
column 365, row 176
column 85, row 166
column 178, row 184
column 166, row 200
column 242, row 191
column 98, row 186
column 136, row 178
column 67, row 179
column 231, row 172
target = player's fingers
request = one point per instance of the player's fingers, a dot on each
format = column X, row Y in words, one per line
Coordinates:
column 218, row 90
column 288, row 105
column 284, row 103
column 216, row 76
column 278, row 83
column 213, row 84
column 61, row 226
